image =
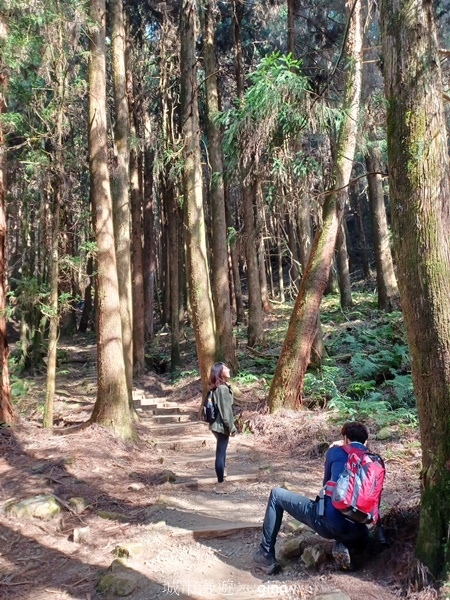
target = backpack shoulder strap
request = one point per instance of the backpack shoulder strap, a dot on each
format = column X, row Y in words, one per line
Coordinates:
column 353, row 450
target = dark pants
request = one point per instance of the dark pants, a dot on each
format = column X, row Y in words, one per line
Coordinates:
column 306, row 511
column 221, row 454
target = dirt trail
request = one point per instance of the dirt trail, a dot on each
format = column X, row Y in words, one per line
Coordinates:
column 176, row 539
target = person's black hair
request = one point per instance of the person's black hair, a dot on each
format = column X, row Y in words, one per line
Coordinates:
column 355, row 431
column 216, row 375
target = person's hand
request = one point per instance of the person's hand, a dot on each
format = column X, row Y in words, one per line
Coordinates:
column 337, row 443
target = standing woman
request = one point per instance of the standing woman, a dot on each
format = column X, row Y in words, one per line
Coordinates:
column 223, row 426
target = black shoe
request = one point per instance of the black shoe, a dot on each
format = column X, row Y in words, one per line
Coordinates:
column 264, row 563
column 342, row 557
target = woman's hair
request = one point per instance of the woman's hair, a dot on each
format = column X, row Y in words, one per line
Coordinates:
column 215, row 377
column 355, row 431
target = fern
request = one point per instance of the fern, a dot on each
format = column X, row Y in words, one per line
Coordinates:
column 360, row 389
column 363, row 367
column 400, row 391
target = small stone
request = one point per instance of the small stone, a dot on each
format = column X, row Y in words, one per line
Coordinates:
column 154, row 509
column 41, row 506
column 129, row 550
column 386, row 433
column 313, row 556
column 117, row 584
column 333, row 595
column 290, row 548
column 167, row 476
column 112, row 516
column 40, row 466
column 80, row 534
column 136, row 487
column 77, row 504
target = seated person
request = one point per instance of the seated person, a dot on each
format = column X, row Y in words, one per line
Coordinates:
column 332, row 524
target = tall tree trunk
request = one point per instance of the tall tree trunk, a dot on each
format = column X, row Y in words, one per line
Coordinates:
column 294, row 271
column 280, row 263
column 360, row 233
column 120, row 184
column 291, row 27
column 287, row 383
column 86, row 314
column 345, row 289
column 149, row 258
column 419, row 178
column 136, row 202
column 197, row 263
column 234, row 254
column 220, row 282
column 7, row 415
column 265, row 301
column 388, row 296
column 111, row 408
column 54, row 280
column 137, row 266
column 304, row 230
column 173, row 219
column 261, row 254
column 237, row 14
column 255, row 332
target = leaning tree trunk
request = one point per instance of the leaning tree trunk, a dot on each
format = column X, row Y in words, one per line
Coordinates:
column 220, row 281
column 111, row 408
column 197, row 263
column 7, row 415
column 120, row 181
column 419, row 178
column 388, row 297
column 287, row 383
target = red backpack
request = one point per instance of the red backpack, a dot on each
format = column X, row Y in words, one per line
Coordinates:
column 357, row 491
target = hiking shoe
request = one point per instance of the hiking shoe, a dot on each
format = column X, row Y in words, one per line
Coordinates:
column 342, row 557
column 226, row 487
column 267, row 565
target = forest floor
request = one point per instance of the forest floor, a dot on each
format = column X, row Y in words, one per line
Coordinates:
column 179, row 539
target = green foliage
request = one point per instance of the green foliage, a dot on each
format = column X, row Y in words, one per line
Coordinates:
column 19, row 387
column 321, row 388
column 28, row 293
column 275, row 106
column 246, row 377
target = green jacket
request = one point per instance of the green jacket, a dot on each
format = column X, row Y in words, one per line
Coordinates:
column 224, row 423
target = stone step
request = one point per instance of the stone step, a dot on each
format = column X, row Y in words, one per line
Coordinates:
column 188, row 441
column 151, row 403
column 163, row 410
column 163, row 419
column 181, row 428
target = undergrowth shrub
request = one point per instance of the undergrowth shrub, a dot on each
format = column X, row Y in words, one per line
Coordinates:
column 367, row 373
